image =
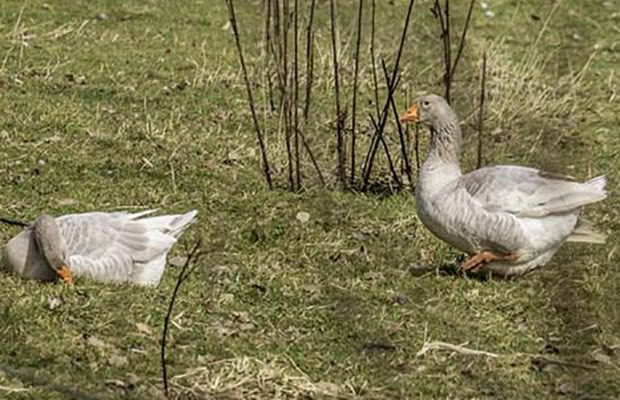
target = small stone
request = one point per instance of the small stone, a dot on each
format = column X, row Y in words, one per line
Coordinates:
column 118, row 361
column 246, row 326
column 66, row 202
column 602, row 358
column 133, row 379
column 117, row 383
column 54, row 302
column 144, row 328
column 303, row 217
column 95, row 342
column 178, row 261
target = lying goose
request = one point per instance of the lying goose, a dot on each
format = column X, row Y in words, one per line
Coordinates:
column 109, row 247
column 510, row 219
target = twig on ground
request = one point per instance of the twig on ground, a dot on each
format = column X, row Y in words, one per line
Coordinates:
column 14, row 223
column 192, row 258
column 481, row 110
column 259, row 134
column 10, row 390
column 438, row 345
column 427, row 346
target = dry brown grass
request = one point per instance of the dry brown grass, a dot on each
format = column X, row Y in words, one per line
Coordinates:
column 250, row 378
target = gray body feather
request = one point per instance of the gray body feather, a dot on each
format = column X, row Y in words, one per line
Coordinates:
column 504, row 209
column 110, row 247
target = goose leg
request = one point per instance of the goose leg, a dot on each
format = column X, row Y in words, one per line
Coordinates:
column 65, row 273
column 485, row 257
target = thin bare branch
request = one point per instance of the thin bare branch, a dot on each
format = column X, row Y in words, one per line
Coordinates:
column 401, row 134
column 378, row 136
column 287, row 140
column 296, row 94
column 387, row 152
column 309, row 61
column 267, row 51
column 443, row 14
column 417, row 149
column 339, row 130
column 448, row 49
column 462, row 42
column 259, row 134
column 373, row 59
column 192, row 258
column 481, row 110
column 316, row 166
column 392, row 84
column 288, row 95
column 14, row 223
column 285, row 29
column 277, row 34
column 355, row 78
column 373, row 142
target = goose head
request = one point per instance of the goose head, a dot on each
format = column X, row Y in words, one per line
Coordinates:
column 52, row 246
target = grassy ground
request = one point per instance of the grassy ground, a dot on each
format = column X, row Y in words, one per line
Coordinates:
column 140, row 104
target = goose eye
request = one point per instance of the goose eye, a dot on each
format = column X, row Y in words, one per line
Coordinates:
column 426, row 103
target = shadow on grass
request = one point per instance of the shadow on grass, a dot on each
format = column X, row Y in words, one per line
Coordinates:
column 382, row 188
column 579, row 307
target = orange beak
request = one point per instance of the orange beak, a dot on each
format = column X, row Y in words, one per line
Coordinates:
column 410, row 115
column 65, row 273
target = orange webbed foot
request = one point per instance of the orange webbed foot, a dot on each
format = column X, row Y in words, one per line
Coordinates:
column 484, row 257
column 65, row 273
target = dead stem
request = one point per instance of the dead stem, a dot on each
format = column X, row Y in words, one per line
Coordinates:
column 355, row 79
column 401, row 134
column 391, row 84
column 309, row 61
column 296, row 94
column 261, row 142
column 192, row 257
column 339, row 124
column 481, row 110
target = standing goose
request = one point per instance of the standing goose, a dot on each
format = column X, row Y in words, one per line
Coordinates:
column 108, row 247
column 510, row 219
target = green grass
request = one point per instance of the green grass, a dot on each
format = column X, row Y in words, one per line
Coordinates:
column 146, row 108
